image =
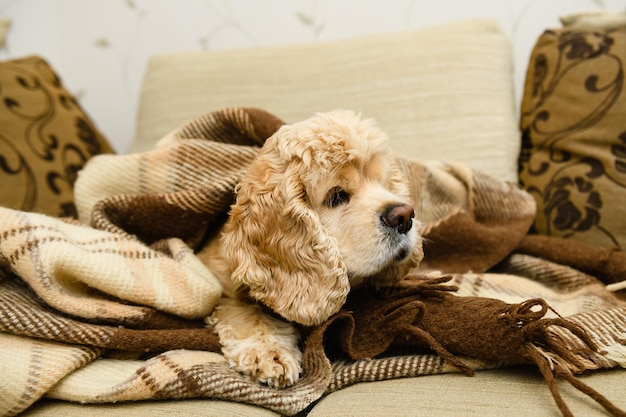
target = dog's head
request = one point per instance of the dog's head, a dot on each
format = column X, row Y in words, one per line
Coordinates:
column 323, row 207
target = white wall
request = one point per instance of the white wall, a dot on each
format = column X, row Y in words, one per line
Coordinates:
column 100, row 47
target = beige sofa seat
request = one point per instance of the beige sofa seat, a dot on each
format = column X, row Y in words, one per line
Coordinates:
column 499, row 393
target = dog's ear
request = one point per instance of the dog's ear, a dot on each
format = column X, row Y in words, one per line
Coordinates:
column 277, row 246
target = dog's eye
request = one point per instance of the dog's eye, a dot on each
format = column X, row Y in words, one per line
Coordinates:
column 337, row 196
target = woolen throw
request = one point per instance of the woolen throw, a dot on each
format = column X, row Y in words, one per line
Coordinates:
column 111, row 308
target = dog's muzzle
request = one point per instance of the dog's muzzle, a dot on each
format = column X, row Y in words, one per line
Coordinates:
column 399, row 217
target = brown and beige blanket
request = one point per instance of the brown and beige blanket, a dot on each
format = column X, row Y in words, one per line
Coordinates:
column 111, row 308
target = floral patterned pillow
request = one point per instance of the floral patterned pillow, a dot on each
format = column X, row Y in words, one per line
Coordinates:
column 573, row 121
column 45, row 139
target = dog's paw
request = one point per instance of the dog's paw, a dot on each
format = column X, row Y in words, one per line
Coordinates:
column 268, row 364
column 258, row 345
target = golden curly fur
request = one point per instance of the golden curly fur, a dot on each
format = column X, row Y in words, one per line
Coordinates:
column 323, row 207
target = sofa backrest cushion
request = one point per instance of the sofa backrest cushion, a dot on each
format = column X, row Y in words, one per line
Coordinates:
column 444, row 92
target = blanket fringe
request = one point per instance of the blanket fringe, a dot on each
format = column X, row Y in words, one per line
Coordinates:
column 555, row 357
column 552, row 369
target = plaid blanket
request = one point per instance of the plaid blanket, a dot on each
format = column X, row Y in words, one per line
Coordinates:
column 111, row 308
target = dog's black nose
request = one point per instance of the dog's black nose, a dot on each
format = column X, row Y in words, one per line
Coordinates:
column 398, row 216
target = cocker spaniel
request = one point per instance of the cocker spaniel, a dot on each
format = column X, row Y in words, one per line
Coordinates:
column 324, row 207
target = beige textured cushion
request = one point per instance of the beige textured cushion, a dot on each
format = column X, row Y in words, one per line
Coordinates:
column 511, row 392
column 441, row 93
column 601, row 19
column 499, row 393
column 183, row 408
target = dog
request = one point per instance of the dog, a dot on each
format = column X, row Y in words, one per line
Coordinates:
column 324, row 207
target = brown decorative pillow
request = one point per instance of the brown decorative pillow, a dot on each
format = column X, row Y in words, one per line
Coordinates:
column 573, row 120
column 45, row 139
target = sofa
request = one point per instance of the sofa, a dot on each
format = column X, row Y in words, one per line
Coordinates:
column 442, row 93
